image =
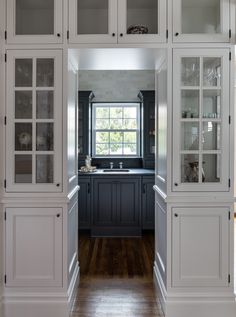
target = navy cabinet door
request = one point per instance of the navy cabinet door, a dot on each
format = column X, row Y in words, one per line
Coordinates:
column 84, row 203
column 128, row 202
column 148, row 203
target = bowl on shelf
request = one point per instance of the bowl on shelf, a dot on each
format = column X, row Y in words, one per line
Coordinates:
column 137, row 29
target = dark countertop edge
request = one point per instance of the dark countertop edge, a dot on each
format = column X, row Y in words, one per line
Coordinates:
column 133, row 172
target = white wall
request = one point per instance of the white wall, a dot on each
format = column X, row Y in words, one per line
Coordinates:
column 116, row 85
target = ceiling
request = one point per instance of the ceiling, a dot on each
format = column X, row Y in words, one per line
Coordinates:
column 117, row 58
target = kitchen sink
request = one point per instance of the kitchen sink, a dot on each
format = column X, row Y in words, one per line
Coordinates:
column 115, row 170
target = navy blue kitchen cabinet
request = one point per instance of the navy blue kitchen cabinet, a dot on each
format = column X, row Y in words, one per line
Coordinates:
column 148, row 203
column 116, row 206
column 84, row 202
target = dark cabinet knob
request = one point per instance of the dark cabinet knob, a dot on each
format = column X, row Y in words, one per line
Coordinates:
column 58, row 35
column 121, row 34
column 176, row 184
column 58, row 215
column 176, row 34
column 58, row 185
column 176, row 215
column 113, row 34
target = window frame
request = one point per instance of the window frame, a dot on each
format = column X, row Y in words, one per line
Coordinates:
column 94, row 130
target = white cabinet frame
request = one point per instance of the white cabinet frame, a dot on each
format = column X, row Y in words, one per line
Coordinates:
column 223, row 185
column 57, row 37
column 178, row 36
column 11, row 186
column 93, row 38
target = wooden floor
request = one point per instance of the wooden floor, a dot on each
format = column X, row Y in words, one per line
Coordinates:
column 116, row 278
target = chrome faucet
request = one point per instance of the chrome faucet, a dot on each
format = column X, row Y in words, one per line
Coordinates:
column 111, row 165
column 121, row 165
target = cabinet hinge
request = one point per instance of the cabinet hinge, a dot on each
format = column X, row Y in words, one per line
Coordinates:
column 230, row 56
column 5, row 279
column 167, row 34
column 68, row 35
column 229, row 182
column 229, row 215
column 229, row 278
column 229, row 119
column 230, row 33
column 5, row 120
column 5, row 56
column 5, row 183
column 5, row 215
column 5, row 35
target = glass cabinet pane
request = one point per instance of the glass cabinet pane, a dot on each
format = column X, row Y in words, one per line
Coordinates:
column 211, row 103
column 92, row 17
column 142, row 17
column 34, row 17
column 23, row 104
column 211, row 135
column 44, row 105
column 45, row 72
column 212, row 71
column 189, row 136
column 201, row 16
column 211, row 167
column 190, row 103
column 23, row 169
column 190, row 71
column 23, row 136
column 44, row 136
column 189, row 168
column 23, row 72
column 44, row 168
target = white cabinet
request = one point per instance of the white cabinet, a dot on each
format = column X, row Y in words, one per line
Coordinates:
column 112, row 21
column 200, row 246
column 201, row 120
column 34, row 247
column 34, row 121
column 201, row 21
column 37, row 21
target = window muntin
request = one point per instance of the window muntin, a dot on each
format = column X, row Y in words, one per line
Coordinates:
column 116, row 129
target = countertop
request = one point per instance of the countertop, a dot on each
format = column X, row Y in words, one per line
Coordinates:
column 132, row 171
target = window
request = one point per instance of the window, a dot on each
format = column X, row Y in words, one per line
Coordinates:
column 116, row 129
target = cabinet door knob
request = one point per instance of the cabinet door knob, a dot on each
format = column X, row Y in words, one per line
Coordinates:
column 113, row 34
column 58, row 35
column 58, row 185
column 176, row 184
column 176, row 215
column 121, row 34
column 58, row 215
column 176, row 34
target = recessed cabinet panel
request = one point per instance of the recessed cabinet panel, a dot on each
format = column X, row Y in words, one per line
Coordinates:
column 36, row 232
column 34, row 114
column 201, row 20
column 24, row 21
column 201, row 120
column 200, row 246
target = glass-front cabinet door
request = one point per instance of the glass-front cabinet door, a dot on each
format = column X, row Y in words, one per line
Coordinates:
column 141, row 21
column 201, row 120
column 34, row 121
column 201, row 21
column 93, row 21
column 34, row 21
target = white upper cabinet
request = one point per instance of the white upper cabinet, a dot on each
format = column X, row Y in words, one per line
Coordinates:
column 201, row 21
column 34, row 121
column 123, row 21
column 201, row 120
column 34, row 21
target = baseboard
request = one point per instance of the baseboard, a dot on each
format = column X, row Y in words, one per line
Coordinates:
column 181, row 306
column 72, row 290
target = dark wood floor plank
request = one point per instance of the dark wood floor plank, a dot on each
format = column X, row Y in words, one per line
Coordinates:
column 116, row 278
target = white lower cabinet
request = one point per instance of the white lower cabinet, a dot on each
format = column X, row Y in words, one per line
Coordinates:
column 34, row 247
column 200, row 247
